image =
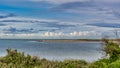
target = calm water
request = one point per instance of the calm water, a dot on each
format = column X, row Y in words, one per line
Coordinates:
column 88, row 51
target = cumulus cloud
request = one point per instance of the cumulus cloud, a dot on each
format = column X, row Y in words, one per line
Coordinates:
column 53, row 34
column 50, row 35
column 82, row 33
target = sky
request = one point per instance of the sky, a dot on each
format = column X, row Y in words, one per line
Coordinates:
column 59, row 19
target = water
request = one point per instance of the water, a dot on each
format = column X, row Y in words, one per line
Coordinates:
column 89, row 51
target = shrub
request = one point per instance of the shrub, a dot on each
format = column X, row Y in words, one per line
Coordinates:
column 115, row 64
column 15, row 59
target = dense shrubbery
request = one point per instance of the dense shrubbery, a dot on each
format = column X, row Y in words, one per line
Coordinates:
column 112, row 50
column 15, row 59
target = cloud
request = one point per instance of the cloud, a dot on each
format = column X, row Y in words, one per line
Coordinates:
column 93, row 7
column 53, row 34
column 74, row 5
column 112, row 25
column 6, row 16
column 66, row 1
column 16, row 30
column 74, row 33
column 85, row 7
column 89, row 6
column 1, row 24
column 116, row 14
column 69, row 17
column 58, row 1
column 83, row 33
column 108, row 1
column 22, row 25
column 50, row 35
column 44, row 28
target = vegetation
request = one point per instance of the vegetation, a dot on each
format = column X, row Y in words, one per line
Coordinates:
column 112, row 59
column 15, row 59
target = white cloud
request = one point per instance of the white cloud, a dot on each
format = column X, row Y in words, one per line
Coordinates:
column 109, row 1
column 66, row 1
column 83, row 33
column 49, row 34
column 53, row 34
column 59, row 1
column 78, row 31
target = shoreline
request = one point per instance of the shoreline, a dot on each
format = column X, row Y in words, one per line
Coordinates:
column 75, row 40
column 70, row 40
column 67, row 40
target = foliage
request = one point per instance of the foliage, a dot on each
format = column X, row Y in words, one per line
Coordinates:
column 115, row 64
column 111, row 49
column 15, row 59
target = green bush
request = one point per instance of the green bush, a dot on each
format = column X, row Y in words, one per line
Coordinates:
column 98, row 65
column 115, row 64
column 15, row 59
column 112, row 49
column 18, row 60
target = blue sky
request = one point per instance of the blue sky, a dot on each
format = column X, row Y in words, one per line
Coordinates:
column 59, row 18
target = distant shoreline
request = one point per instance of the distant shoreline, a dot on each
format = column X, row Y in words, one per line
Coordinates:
column 69, row 40
column 75, row 40
column 65, row 40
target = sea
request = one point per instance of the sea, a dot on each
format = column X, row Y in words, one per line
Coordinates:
column 55, row 51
